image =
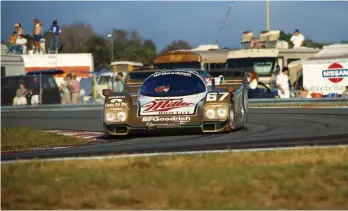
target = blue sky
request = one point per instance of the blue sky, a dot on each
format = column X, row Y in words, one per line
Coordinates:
column 196, row 22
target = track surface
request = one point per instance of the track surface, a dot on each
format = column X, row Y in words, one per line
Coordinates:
column 266, row 128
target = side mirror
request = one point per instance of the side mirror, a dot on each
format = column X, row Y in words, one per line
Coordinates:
column 106, row 92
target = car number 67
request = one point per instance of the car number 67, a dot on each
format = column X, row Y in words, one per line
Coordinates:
column 214, row 96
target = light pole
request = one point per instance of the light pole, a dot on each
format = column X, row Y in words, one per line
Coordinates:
column 267, row 15
column 112, row 47
column 112, row 59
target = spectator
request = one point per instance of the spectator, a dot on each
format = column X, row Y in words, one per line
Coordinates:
column 19, row 29
column 37, row 35
column 345, row 93
column 304, row 93
column 253, row 80
column 13, row 38
column 35, row 90
column 28, row 96
column 297, row 39
column 283, row 83
column 118, row 85
column 20, row 45
column 75, row 90
column 55, row 31
column 254, row 43
column 20, row 98
column 65, row 92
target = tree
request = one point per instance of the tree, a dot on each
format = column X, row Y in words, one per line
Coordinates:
column 147, row 52
column 177, row 45
column 100, row 50
column 74, row 37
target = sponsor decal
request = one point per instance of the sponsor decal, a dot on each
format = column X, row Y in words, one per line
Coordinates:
column 159, row 125
column 117, row 104
column 115, row 100
column 165, row 105
column 173, row 73
column 335, row 73
column 174, row 112
column 180, row 119
column 115, row 109
column 117, row 97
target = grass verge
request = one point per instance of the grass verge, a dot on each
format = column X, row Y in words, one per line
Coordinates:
column 293, row 179
column 28, row 138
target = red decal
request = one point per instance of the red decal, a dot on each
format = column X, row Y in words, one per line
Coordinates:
column 165, row 105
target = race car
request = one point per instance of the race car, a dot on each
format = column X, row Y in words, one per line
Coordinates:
column 173, row 100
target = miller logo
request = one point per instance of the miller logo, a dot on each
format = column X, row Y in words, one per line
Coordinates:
column 335, row 73
column 165, row 105
column 115, row 100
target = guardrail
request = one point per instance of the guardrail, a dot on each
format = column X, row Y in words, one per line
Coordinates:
column 299, row 102
column 253, row 103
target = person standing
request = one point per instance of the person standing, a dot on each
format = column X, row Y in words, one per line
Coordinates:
column 75, row 90
column 283, row 83
column 118, row 83
column 253, row 80
column 297, row 39
column 37, row 35
column 19, row 28
column 55, row 31
column 35, row 91
column 65, row 92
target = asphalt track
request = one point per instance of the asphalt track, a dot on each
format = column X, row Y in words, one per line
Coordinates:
column 269, row 127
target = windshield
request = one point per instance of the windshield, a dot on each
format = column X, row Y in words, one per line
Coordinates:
column 104, row 79
column 178, row 65
column 263, row 66
column 204, row 74
column 172, row 84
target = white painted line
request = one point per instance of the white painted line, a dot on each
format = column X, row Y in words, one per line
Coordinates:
column 162, row 154
column 34, row 149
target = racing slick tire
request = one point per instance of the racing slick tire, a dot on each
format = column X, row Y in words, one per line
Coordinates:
column 232, row 121
column 245, row 107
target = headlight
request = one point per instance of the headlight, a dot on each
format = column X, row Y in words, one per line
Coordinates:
column 109, row 116
column 121, row 116
column 115, row 116
column 210, row 113
column 216, row 112
column 222, row 112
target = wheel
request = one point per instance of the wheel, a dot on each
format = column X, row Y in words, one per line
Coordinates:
column 232, row 120
column 245, row 107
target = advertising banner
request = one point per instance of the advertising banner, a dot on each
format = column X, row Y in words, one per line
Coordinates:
column 326, row 76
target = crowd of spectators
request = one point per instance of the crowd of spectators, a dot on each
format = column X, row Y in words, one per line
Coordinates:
column 70, row 90
column 19, row 44
column 28, row 96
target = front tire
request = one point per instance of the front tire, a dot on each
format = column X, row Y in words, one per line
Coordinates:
column 232, row 120
column 245, row 107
